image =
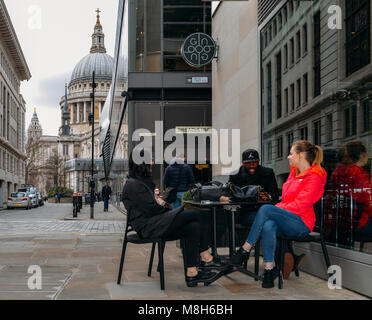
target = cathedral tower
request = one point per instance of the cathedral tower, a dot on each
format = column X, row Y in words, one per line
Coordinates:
column 34, row 131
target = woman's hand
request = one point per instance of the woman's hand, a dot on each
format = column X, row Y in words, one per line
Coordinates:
column 224, row 199
column 160, row 201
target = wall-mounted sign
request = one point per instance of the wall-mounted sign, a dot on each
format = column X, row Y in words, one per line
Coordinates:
column 197, row 80
column 199, row 49
column 194, row 130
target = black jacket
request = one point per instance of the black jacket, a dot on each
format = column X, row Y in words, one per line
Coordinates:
column 147, row 218
column 106, row 191
column 185, row 178
column 263, row 176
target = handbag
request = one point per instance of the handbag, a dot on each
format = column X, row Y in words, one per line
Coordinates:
column 245, row 194
column 211, row 191
column 170, row 193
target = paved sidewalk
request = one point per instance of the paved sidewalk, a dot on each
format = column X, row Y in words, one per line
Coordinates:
column 84, row 265
column 113, row 213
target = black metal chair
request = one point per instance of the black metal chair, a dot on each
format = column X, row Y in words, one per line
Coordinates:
column 130, row 236
column 312, row 237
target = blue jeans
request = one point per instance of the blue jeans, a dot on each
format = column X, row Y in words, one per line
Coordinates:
column 271, row 222
column 178, row 201
column 105, row 203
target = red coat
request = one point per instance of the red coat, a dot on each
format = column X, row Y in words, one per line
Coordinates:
column 301, row 192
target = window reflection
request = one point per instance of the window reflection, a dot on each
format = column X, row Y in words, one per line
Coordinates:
column 347, row 208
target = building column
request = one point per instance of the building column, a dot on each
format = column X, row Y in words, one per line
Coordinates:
column 78, row 112
column 85, row 111
column 73, row 116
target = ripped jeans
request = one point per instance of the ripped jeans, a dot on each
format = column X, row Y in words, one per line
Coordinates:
column 271, row 222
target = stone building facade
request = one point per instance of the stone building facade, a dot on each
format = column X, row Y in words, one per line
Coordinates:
column 13, row 70
column 315, row 80
column 58, row 159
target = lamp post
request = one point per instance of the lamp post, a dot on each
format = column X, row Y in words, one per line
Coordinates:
column 91, row 120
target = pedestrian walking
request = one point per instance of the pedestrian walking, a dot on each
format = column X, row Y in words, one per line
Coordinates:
column 106, row 194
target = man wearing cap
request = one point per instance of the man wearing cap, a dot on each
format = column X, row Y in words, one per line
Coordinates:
column 252, row 173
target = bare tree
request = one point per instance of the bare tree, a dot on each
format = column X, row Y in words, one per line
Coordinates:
column 56, row 164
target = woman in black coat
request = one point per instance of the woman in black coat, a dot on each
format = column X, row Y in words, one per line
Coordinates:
column 153, row 220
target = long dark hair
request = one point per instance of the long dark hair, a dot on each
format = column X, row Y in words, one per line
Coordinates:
column 139, row 170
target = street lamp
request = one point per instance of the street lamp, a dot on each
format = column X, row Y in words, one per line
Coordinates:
column 91, row 120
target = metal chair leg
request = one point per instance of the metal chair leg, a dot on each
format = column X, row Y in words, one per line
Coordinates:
column 281, row 264
column 151, row 259
column 325, row 253
column 257, row 258
column 122, row 259
column 161, row 264
column 163, row 248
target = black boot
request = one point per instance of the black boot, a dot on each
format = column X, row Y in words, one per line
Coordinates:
column 204, row 277
column 269, row 277
column 240, row 257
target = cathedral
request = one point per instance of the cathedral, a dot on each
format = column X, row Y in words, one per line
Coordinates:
column 65, row 159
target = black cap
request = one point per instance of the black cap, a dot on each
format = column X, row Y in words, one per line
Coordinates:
column 250, row 155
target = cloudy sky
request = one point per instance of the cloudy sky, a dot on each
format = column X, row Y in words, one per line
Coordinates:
column 54, row 36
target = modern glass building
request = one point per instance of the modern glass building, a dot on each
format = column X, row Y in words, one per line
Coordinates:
column 161, row 85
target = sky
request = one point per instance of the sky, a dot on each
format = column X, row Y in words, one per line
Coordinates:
column 54, row 36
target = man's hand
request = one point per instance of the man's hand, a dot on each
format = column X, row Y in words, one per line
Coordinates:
column 224, row 199
column 264, row 196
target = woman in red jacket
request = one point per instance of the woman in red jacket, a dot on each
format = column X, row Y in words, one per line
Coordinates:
column 294, row 215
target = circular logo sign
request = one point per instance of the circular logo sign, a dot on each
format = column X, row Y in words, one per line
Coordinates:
column 199, row 49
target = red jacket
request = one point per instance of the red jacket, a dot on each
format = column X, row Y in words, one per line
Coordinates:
column 350, row 178
column 301, row 192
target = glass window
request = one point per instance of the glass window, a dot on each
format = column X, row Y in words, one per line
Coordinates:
column 317, row 86
column 269, row 94
column 350, row 121
column 175, row 30
column 299, row 93
column 304, row 133
column 298, row 39
column 279, row 85
column 329, row 127
column 279, row 147
column 185, row 14
column 305, row 87
column 182, row 2
column 358, row 35
column 317, row 133
column 347, row 203
column 304, row 38
column 367, row 115
column 292, row 51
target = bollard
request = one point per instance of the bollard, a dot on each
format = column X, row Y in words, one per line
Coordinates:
column 75, row 205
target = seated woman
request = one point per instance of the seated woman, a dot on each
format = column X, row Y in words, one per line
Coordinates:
column 151, row 218
column 294, row 215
